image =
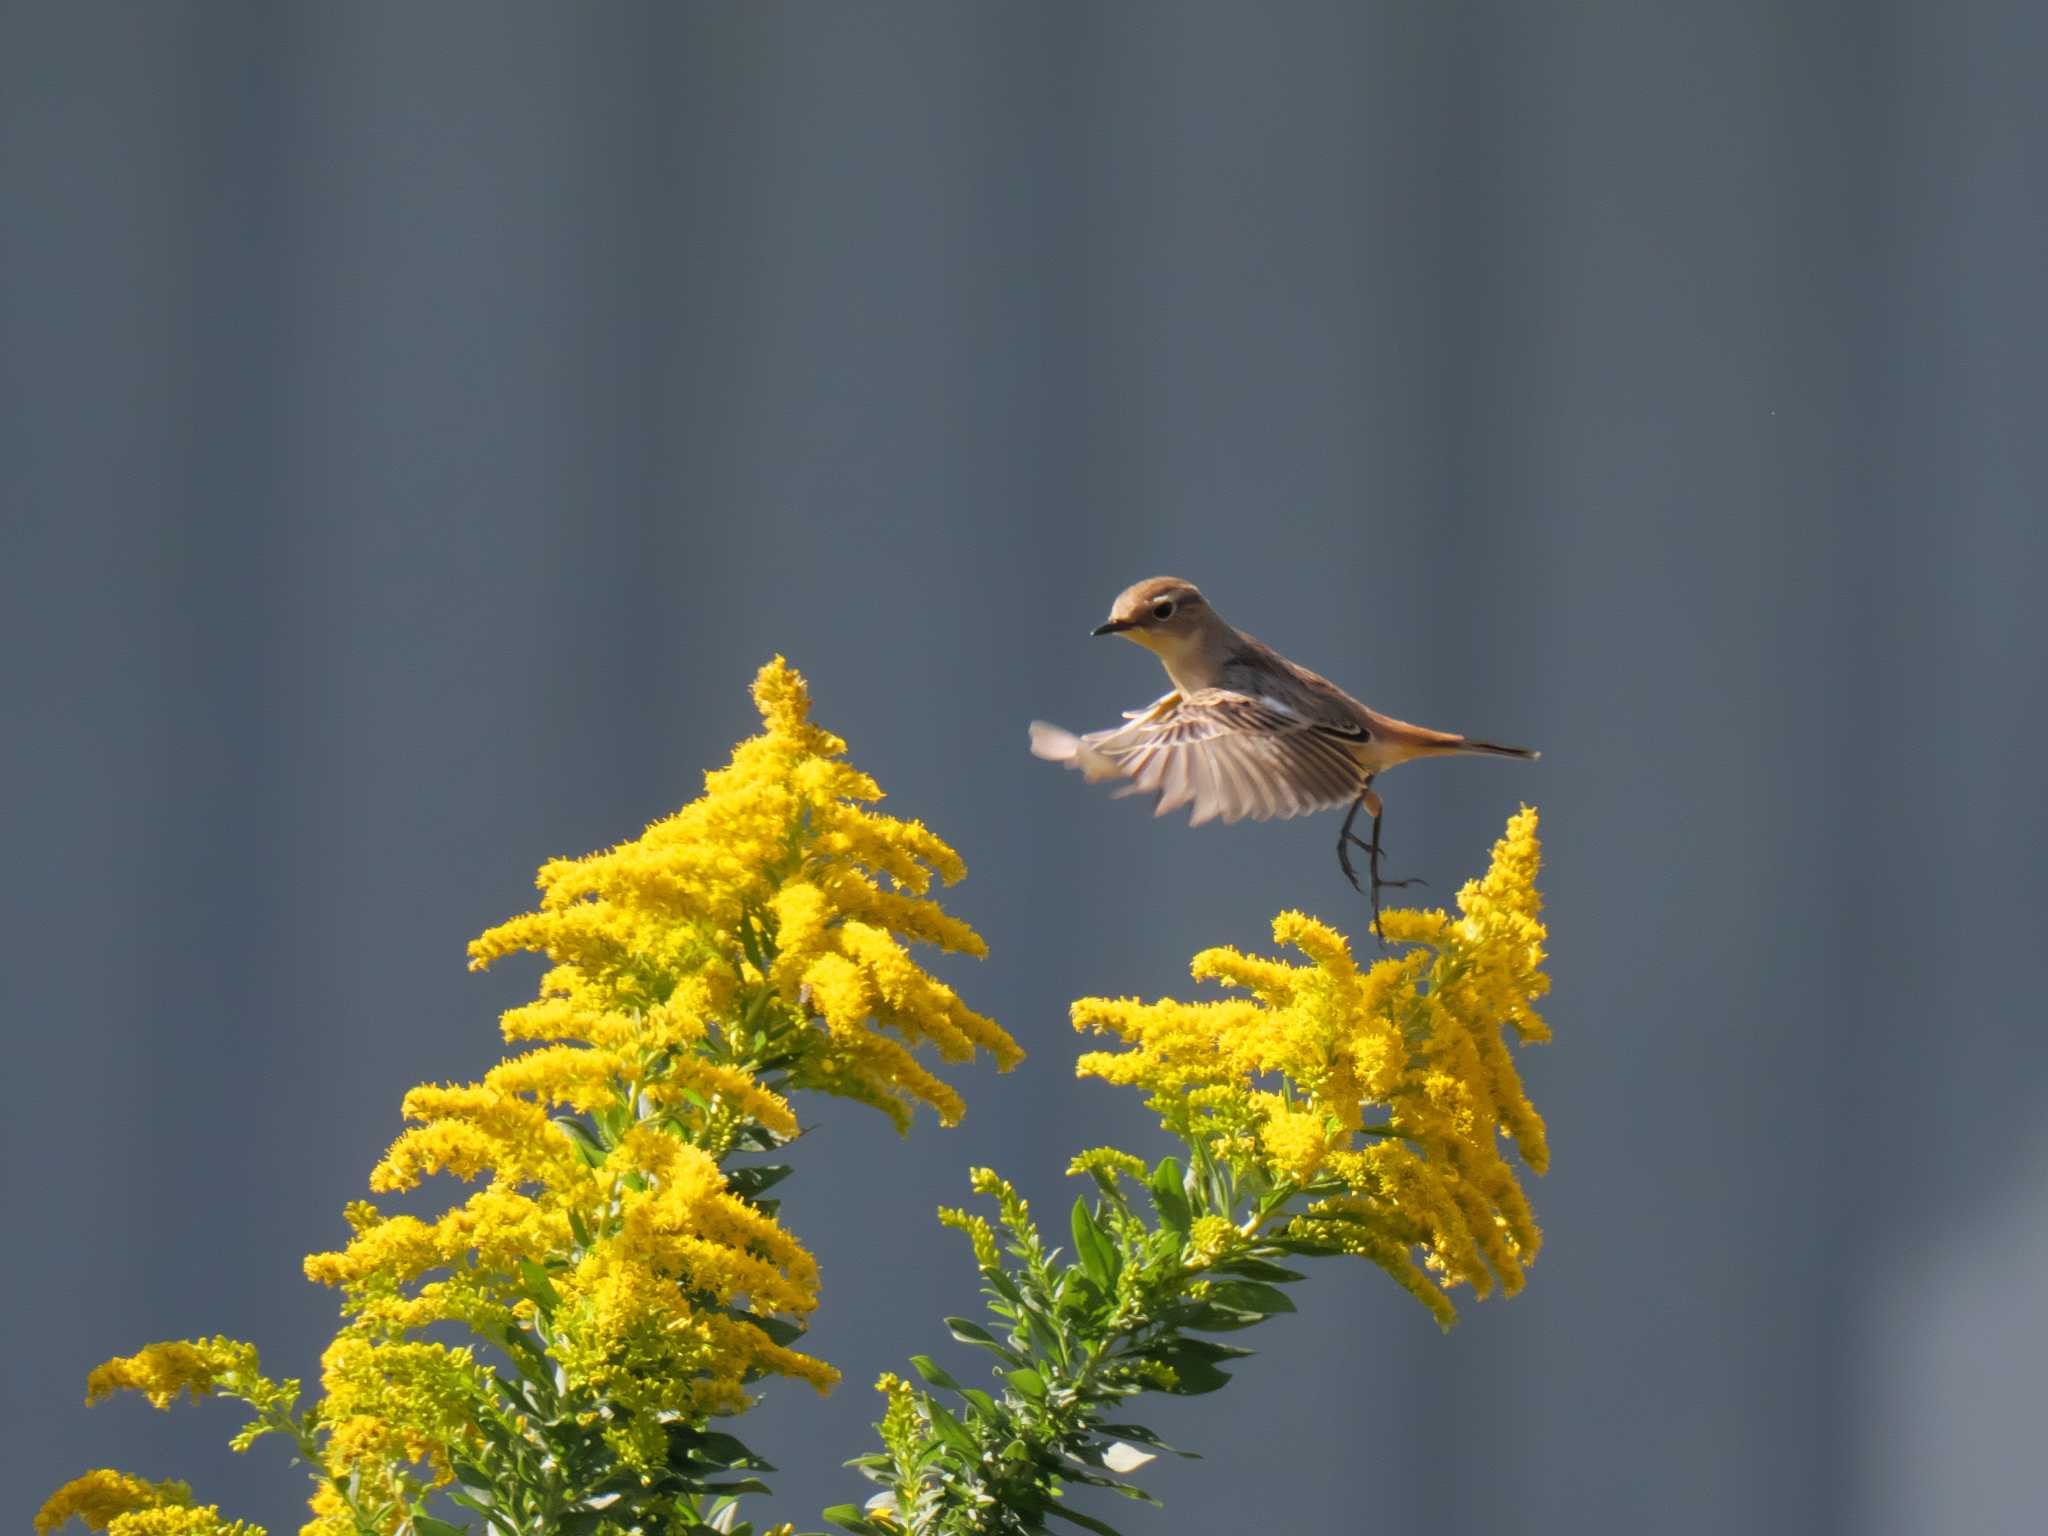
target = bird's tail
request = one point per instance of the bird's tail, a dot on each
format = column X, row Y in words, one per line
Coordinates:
column 1494, row 749
column 1061, row 746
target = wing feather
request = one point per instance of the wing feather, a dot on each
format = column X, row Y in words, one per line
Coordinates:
column 1208, row 794
column 1173, row 782
column 1226, row 754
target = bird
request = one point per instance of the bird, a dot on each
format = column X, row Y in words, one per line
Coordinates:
column 1244, row 732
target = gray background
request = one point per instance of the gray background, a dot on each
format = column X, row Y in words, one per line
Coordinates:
column 417, row 422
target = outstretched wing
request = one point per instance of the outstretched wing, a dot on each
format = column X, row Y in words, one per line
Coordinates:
column 1226, row 754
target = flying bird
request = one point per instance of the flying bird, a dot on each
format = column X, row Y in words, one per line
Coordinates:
column 1245, row 731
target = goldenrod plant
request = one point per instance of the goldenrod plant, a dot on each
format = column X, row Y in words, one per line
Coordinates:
column 553, row 1354
column 1327, row 1111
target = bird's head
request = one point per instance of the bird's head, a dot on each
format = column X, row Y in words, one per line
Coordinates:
column 1162, row 614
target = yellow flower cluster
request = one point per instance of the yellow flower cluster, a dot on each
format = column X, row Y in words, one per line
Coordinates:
column 662, row 1242
column 630, row 1326
column 161, row 1371
column 199, row 1368
column 901, row 1426
column 105, row 1500
column 1279, row 1082
column 751, row 931
column 1108, row 1162
column 987, row 1253
column 396, row 1402
column 198, row 1520
column 746, row 942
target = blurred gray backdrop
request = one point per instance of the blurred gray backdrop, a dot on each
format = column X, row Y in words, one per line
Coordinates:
column 418, row 422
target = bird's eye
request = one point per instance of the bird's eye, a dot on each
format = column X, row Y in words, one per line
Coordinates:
column 1162, row 610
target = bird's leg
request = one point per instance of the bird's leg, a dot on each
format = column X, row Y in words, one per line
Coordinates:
column 1346, row 839
column 1368, row 800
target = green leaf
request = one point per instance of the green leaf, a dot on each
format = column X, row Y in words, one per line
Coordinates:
column 1251, row 1296
column 1081, row 1474
column 1194, row 1362
column 1208, row 1319
column 984, row 1406
column 623, row 1481
column 712, row 1448
column 848, row 1517
column 1168, row 1196
column 749, row 1183
column 751, row 944
column 1196, row 1377
column 1027, row 1383
column 1086, row 1522
column 427, row 1525
column 973, row 1333
column 1045, row 1334
column 494, row 1517
column 1206, row 1349
column 1144, row 1436
column 586, row 1144
column 778, row 1330
column 1259, row 1269
column 1092, row 1246
column 539, row 1287
column 953, row 1432
column 1106, row 1181
column 514, row 1342
column 932, row 1372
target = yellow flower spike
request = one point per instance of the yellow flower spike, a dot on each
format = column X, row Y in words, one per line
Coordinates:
column 776, row 877
column 901, row 1427
column 582, row 1078
column 986, row 1181
column 1210, row 1238
column 103, row 1495
column 785, row 705
column 912, row 917
column 1295, row 1141
column 161, row 1371
column 1320, row 942
column 402, row 1403
column 718, row 1084
column 802, row 917
column 987, row 1255
column 1272, row 980
column 915, row 1005
column 1109, row 1160
column 1303, row 1081
column 1405, row 925
column 202, row 1520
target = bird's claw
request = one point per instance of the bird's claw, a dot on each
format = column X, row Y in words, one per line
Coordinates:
column 1347, row 840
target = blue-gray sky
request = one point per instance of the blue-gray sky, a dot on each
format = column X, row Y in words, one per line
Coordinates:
column 417, row 423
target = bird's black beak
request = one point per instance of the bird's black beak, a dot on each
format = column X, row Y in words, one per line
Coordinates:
column 1114, row 626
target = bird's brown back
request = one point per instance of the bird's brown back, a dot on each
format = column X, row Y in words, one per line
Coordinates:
column 1255, row 668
